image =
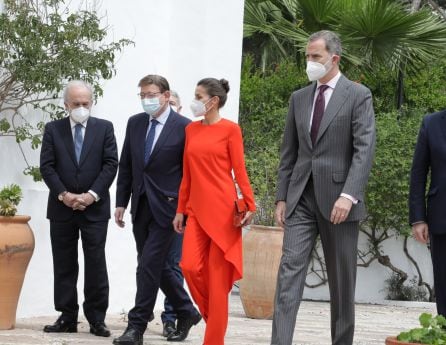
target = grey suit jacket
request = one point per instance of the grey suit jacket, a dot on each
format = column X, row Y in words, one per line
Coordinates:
column 342, row 156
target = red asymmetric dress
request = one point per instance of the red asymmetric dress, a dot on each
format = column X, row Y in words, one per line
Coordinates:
column 212, row 245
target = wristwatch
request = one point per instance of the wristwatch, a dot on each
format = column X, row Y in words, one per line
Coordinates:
column 61, row 195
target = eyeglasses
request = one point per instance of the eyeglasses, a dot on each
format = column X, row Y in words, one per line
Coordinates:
column 148, row 94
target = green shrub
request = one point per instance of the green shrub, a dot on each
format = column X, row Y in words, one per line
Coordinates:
column 263, row 108
column 432, row 331
column 10, row 197
column 388, row 185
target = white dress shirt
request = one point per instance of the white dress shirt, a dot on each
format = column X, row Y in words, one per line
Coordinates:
column 162, row 118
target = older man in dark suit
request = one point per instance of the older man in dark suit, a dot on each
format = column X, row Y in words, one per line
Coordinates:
column 150, row 172
column 78, row 162
column 326, row 157
column 427, row 214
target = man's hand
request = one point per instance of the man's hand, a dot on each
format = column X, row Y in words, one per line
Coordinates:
column 70, row 199
column 279, row 214
column 340, row 211
column 87, row 199
column 83, row 200
column 421, row 232
column 178, row 223
column 119, row 216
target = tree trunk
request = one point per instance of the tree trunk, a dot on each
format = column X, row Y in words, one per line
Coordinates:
column 415, row 5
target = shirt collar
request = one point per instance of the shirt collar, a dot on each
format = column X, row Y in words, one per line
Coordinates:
column 73, row 124
column 332, row 82
column 163, row 117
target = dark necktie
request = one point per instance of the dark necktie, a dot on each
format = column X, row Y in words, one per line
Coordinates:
column 318, row 112
column 149, row 141
column 78, row 141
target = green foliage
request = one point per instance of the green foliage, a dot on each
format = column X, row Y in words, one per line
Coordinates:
column 388, row 186
column 431, row 332
column 42, row 46
column 397, row 291
column 263, row 109
column 374, row 32
column 10, row 197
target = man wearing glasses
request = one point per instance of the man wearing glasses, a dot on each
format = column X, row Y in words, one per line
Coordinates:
column 150, row 172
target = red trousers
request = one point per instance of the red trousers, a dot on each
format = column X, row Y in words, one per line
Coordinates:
column 209, row 277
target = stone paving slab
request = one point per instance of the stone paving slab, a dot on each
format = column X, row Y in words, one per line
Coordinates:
column 373, row 324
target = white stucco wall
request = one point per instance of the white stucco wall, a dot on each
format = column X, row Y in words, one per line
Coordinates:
column 182, row 40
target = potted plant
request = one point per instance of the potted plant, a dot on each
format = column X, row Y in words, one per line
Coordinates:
column 16, row 249
column 262, row 243
column 431, row 332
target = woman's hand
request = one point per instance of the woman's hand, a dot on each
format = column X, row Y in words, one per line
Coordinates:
column 178, row 223
column 248, row 218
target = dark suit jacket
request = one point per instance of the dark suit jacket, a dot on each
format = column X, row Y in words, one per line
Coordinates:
column 430, row 153
column 341, row 159
column 160, row 179
column 96, row 170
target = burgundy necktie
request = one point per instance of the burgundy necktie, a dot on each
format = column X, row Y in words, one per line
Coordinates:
column 318, row 112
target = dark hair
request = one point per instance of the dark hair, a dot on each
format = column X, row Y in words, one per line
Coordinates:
column 215, row 87
column 332, row 41
column 154, row 79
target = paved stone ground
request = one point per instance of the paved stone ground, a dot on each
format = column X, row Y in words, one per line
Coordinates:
column 373, row 324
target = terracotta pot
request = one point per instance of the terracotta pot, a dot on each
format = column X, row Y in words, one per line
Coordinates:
column 262, row 250
column 16, row 249
column 394, row 341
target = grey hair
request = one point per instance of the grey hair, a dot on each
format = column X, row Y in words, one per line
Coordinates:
column 332, row 41
column 76, row 83
column 175, row 94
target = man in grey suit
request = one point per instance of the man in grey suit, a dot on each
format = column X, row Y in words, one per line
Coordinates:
column 326, row 157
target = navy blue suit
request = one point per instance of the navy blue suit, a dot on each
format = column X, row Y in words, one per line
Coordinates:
column 153, row 190
column 430, row 155
column 95, row 171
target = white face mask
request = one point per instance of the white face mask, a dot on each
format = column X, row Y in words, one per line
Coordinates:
column 316, row 70
column 79, row 115
column 174, row 108
column 198, row 107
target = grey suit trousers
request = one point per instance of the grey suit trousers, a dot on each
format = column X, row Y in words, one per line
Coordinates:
column 339, row 244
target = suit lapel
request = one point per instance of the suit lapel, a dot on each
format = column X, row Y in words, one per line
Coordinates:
column 89, row 137
column 307, row 106
column 67, row 137
column 339, row 96
column 167, row 129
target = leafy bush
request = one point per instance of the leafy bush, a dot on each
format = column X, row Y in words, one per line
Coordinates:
column 404, row 292
column 388, row 185
column 10, row 197
column 44, row 44
column 263, row 108
column 431, row 332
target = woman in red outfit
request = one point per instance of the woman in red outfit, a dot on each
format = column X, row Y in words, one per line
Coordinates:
column 212, row 247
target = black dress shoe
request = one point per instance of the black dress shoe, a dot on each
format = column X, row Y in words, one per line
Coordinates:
column 99, row 329
column 168, row 328
column 61, row 326
column 183, row 327
column 130, row 336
